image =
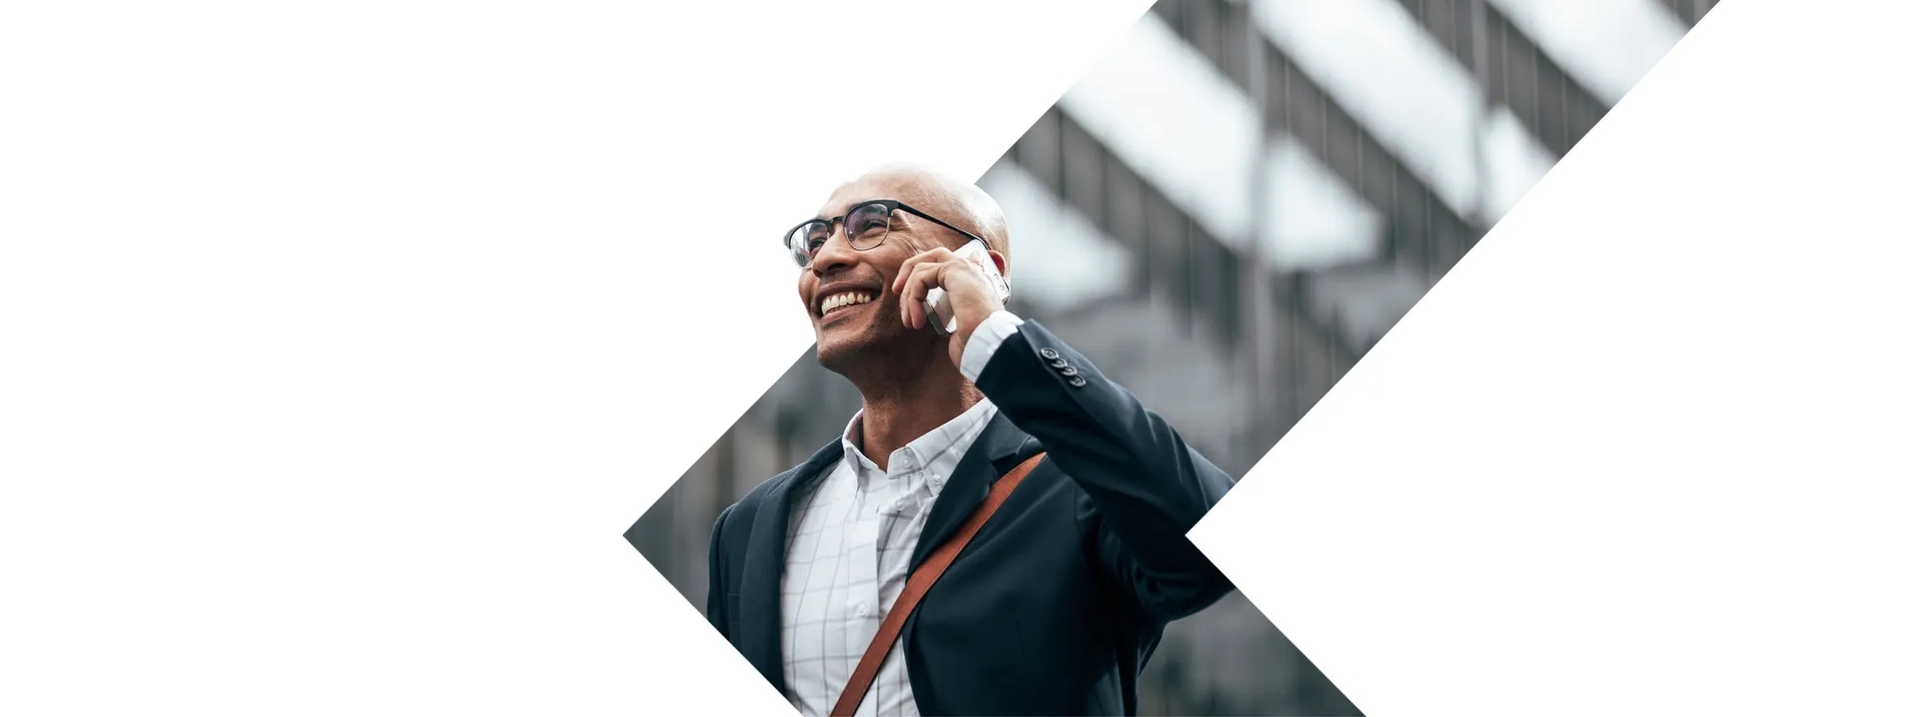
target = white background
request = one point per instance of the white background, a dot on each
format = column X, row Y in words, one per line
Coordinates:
column 340, row 342
column 1649, row 448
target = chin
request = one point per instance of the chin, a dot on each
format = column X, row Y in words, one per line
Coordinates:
column 842, row 347
column 848, row 346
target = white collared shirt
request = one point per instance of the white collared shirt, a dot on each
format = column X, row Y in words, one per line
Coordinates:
column 850, row 543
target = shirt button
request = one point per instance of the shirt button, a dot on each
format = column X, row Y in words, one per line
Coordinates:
column 860, row 610
column 936, row 483
column 900, row 504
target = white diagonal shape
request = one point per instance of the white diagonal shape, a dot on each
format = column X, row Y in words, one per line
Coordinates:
column 1646, row 449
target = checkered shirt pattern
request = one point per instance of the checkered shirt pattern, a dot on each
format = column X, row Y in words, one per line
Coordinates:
column 848, row 555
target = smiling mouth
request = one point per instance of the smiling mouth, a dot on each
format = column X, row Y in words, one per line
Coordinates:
column 844, row 300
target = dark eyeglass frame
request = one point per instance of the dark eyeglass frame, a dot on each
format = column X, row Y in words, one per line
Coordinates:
column 891, row 206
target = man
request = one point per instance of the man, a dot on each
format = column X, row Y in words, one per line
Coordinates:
column 1056, row 602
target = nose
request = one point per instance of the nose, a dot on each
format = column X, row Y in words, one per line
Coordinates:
column 835, row 255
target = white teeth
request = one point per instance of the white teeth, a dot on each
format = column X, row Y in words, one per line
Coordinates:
column 839, row 301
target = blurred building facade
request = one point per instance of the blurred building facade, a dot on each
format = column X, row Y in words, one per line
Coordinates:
column 1225, row 215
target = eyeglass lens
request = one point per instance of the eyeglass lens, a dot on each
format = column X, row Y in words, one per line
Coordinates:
column 866, row 227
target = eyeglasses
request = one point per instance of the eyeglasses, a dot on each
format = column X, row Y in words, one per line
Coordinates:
column 867, row 225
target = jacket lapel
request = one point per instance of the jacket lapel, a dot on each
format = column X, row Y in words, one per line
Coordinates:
column 766, row 563
column 1000, row 447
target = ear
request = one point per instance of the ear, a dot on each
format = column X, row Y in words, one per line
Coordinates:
column 999, row 261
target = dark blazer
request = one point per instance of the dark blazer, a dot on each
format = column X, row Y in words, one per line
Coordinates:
column 1062, row 595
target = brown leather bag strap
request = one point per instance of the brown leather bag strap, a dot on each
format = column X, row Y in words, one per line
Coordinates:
column 917, row 585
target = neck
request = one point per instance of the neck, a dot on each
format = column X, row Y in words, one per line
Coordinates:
column 898, row 407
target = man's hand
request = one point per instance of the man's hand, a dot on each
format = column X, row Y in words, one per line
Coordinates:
column 968, row 292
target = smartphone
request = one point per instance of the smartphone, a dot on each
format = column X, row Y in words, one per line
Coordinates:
column 940, row 312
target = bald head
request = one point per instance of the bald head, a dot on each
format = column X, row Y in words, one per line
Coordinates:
column 953, row 201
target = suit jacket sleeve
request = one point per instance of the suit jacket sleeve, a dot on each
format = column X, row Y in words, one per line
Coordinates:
column 717, row 576
column 1144, row 486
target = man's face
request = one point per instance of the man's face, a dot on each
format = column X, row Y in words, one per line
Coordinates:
column 847, row 293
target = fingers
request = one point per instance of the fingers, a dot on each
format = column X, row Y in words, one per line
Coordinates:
column 918, row 275
column 906, row 267
column 919, row 282
column 906, row 270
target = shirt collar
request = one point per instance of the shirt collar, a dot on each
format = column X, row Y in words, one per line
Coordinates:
column 938, row 452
